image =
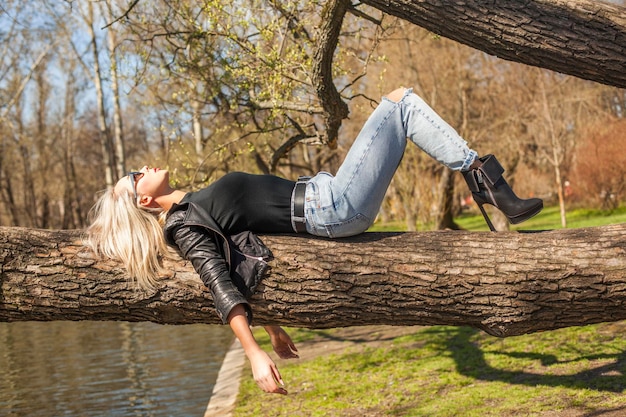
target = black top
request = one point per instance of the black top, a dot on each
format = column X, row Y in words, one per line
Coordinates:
column 240, row 202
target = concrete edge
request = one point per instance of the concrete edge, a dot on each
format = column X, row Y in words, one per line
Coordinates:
column 224, row 396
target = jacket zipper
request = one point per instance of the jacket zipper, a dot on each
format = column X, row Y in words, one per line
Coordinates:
column 258, row 258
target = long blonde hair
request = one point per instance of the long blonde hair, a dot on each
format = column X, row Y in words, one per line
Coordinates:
column 126, row 232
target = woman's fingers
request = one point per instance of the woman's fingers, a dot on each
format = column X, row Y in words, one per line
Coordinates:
column 270, row 383
column 266, row 373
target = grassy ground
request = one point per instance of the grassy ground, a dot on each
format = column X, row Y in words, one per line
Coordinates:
column 550, row 218
column 453, row 371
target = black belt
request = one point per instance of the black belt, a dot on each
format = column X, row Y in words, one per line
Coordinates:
column 298, row 221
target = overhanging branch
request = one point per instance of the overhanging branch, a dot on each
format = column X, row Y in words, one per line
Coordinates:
column 583, row 38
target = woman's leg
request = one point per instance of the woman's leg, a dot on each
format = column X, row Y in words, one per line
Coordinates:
column 348, row 203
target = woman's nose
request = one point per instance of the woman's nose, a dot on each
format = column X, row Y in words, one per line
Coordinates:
column 144, row 169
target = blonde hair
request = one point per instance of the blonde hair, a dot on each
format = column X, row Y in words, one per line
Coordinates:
column 126, row 232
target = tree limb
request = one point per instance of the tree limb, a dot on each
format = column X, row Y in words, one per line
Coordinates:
column 504, row 283
column 335, row 109
column 583, row 38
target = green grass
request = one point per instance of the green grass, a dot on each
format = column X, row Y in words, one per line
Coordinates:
column 550, row 218
column 454, row 371
column 459, row 371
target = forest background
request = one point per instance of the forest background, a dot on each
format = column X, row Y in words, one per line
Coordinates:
column 92, row 89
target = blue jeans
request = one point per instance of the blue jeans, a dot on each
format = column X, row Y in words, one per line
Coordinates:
column 347, row 204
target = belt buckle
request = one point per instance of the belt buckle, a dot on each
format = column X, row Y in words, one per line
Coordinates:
column 298, row 218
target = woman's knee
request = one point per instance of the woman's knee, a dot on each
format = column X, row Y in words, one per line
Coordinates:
column 397, row 94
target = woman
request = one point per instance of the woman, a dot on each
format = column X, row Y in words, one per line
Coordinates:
column 211, row 227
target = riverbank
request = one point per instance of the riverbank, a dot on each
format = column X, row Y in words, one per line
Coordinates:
column 226, row 387
column 235, row 368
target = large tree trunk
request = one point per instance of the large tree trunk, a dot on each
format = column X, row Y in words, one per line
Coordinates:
column 504, row 283
column 584, row 38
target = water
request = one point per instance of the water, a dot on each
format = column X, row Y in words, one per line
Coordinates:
column 108, row 368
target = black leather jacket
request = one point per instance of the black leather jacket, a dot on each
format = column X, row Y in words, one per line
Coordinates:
column 230, row 266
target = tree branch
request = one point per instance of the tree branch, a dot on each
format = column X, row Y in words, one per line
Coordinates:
column 583, row 38
column 504, row 283
column 335, row 109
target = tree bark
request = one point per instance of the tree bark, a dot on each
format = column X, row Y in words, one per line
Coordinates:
column 583, row 38
column 506, row 283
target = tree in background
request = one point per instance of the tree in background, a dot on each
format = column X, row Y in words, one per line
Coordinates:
column 599, row 174
column 244, row 83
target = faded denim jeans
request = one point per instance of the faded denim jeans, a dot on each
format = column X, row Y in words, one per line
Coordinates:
column 347, row 204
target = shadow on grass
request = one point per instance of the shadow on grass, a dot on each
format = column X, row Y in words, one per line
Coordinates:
column 470, row 361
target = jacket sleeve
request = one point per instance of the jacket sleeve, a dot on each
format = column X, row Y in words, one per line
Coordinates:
column 199, row 246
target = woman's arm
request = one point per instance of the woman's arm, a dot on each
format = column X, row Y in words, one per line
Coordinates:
column 264, row 369
column 199, row 246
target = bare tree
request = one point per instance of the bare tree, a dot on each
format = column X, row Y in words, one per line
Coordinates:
column 556, row 143
column 598, row 177
column 71, row 211
column 118, row 133
column 106, row 146
column 16, row 142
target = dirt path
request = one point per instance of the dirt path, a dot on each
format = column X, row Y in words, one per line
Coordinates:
column 338, row 340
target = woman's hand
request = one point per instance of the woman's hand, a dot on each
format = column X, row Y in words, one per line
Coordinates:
column 265, row 372
column 281, row 342
column 264, row 369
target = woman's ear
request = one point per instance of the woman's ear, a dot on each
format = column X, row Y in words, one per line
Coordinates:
column 146, row 201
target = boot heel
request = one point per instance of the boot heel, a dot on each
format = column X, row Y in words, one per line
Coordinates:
column 482, row 210
column 488, row 186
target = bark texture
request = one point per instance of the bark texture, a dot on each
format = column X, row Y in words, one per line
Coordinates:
column 583, row 38
column 505, row 283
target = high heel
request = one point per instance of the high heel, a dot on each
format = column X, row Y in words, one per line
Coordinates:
column 488, row 186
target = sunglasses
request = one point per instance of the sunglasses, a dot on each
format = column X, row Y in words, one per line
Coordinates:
column 134, row 176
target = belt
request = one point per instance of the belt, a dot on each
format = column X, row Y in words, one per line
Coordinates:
column 298, row 221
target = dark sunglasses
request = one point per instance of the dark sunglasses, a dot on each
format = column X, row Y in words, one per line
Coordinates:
column 134, row 176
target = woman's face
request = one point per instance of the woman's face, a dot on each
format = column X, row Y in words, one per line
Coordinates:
column 149, row 182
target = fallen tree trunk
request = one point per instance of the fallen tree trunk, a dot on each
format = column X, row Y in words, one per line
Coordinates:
column 583, row 38
column 506, row 283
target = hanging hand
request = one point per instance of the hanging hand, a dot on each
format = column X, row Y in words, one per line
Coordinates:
column 281, row 342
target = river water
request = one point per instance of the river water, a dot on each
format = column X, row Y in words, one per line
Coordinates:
column 108, row 368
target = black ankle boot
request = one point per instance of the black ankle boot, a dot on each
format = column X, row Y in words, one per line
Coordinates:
column 488, row 186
